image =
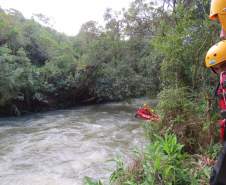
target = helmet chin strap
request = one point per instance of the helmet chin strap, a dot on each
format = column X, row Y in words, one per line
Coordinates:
column 213, row 70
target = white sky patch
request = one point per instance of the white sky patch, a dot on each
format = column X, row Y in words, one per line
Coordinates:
column 67, row 15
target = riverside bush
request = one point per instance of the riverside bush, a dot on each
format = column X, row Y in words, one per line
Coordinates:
column 163, row 162
column 181, row 115
column 174, row 103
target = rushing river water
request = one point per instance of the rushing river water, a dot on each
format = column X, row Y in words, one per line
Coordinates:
column 61, row 147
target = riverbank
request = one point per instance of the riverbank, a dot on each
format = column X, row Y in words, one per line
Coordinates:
column 181, row 148
column 20, row 108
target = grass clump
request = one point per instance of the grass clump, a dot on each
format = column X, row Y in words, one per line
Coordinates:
column 90, row 181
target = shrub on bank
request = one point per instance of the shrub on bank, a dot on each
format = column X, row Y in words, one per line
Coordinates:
column 183, row 115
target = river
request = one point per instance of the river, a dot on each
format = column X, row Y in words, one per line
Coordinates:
column 61, row 147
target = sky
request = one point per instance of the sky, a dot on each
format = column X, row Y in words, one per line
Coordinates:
column 67, row 16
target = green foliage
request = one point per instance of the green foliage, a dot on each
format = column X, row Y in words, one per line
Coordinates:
column 89, row 181
column 213, row 150
column 175, row 102
column 186, row 38
column 127, row 57
column 183, row 115
column 118, row 83
column 163, row 162
column 14, row 76
column 45, row 68
column 120, row 170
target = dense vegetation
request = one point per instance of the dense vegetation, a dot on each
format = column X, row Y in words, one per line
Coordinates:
column 144, row 50
column 42, row 69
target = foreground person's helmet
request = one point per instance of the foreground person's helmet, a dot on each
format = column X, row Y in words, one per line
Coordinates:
column 218, row 11
column 216, row 54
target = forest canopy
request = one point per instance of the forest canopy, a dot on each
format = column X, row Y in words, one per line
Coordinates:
column 140, row 51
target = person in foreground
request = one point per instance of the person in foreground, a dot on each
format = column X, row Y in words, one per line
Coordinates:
column 218, row 13
column 216, row 60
